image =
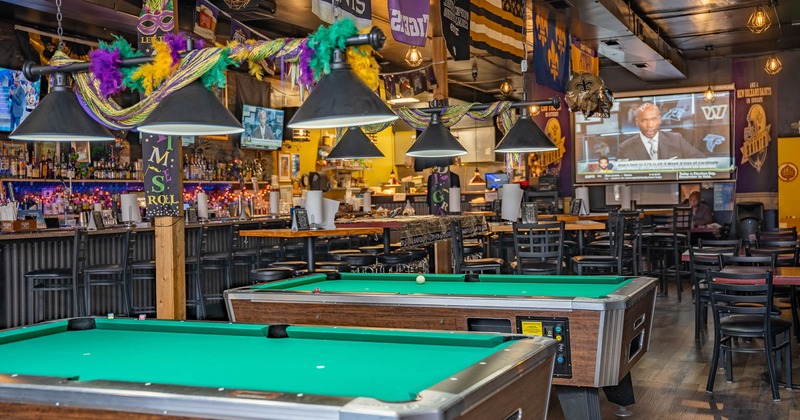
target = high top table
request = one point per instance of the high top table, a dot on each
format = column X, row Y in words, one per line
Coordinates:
column 310, row 236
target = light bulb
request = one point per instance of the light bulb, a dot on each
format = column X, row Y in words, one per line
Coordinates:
column 413, row 56
column 505, row 87
column 534, row 110
column 709, row 96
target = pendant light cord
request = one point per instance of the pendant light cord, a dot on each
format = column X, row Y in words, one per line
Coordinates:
column 60, row 30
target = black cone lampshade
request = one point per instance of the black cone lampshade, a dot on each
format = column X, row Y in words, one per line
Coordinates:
column 191, row 111
column 354, row 144
column 341, row 99
column 60, row 117
column 525, row 136
column 436, row 141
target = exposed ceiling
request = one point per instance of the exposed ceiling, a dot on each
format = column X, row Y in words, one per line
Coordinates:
column 654, row 39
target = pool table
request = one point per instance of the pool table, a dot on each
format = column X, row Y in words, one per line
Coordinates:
column 121, row 368
column 603, row 323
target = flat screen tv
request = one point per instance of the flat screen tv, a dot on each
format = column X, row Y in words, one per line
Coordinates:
column 13, row 83
column 495, row 180
column 693, row 141
column 263, row 128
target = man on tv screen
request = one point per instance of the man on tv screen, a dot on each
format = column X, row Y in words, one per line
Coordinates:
column 652, row 144
column 603, row 165
column 17, row 96
column 263, row 130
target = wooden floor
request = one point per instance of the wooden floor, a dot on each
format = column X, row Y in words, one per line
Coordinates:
column 670, row 381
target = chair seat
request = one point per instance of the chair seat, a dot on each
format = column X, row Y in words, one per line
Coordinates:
column 372, row 249
column 250, row 252
column 143, row 265
column 332, row 265
column 744, row 325
column 103, row 269
column 336, row 255
column 296, row 265
column 482, row 261
column 50, row 273
column 359, row 260
column 216, row 256
column 594, row 258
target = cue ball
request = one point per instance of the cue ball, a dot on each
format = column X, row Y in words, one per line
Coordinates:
column 420, row 279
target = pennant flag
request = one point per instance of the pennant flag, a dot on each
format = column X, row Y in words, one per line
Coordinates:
column 205, row 20
column 360, row 11
column 584, row 58
column 419, row 81
column 550, row 58
column 455, row 27
column 239, row 32
column 408, row 20
column 496, row 26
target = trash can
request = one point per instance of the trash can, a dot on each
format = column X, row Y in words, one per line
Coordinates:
column 748, row 220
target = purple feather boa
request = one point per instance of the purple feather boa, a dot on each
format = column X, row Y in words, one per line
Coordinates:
column 306, row 74
column 105, row 67
column 176, row 44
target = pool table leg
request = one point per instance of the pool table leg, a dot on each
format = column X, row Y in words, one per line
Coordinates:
column 579, row 402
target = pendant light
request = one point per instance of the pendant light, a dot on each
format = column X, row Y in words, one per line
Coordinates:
column 354, row 144
column 773, row 65
column 413, row 56
column 709, row 96
column 341, row 99
column 191, row 111
column 758, row 21
column 436, row 141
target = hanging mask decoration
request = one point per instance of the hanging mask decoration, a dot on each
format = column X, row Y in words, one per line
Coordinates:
column 587, row 92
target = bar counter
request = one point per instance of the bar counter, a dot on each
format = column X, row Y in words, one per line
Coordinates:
column 52, row 248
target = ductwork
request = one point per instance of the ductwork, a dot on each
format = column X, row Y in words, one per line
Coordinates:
column 627, row 40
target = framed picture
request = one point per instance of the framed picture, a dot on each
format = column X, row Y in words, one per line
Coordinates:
column 46, row 148
column 285, row 167
column 82, row 149
column 295, row 165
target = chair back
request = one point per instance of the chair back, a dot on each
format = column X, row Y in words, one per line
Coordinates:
column 749, row 261
column 194, row 244
column 701, row 262
column 741, row 294
column 217, row 239
column 542, row 243
column 79, row 249
column 129, row 241
column 457, row 238
column 786, row 253
column 682, row 219
column 777, row 234
column 720, row 246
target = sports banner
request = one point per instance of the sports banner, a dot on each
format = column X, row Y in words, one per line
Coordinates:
column 239, row 32
column 205, row 20
column 455, row 27
column 550, row 57
column 408, row 20
column 755, row 126
column 496, row 26
column 584, row 58
column 360, row 11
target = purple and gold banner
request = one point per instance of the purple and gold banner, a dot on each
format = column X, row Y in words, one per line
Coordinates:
column 556, row 125
column 408, row 20
column 550, row 50
column 755, row 131
column 239, row 32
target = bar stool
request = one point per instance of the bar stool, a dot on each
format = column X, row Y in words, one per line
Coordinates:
column 419, row 259
column 336, row 255
column 339, row 266
column 268, row 255
column 246, row 249
column 294, row 265
column 371, row 249
column 38, row 282
column 217, row 258
column 194, row 243
column 115, row 274
column 395, row 262
column 362, row 263
column 266, row 275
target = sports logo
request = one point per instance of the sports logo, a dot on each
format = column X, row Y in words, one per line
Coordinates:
column 787, row 172
column 714, row 112
column 712, row 141
column 674, row 114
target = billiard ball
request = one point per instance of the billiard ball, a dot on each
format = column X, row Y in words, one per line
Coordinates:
column 420, row 279
column 316, row 290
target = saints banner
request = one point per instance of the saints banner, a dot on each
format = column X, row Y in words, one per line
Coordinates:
column 239, row 32
column 496, row 27
column 408, row 20
column 556, row 125
column 455, row 27
column 360, row 11
column 550, row 53
column 755, row 128
column 584, row 58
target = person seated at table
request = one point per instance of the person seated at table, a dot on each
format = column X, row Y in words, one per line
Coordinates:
column 701, row 212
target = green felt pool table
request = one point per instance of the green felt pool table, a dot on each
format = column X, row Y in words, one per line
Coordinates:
column 602, row 323
column 112, row 368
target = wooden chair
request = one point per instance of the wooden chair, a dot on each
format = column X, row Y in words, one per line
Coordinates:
column 538, row 248
column 742, row 308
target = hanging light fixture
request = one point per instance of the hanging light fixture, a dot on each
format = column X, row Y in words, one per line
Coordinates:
column 436, row 141
column 506, row 88
column 341, row 99
column 534, row 110
column 524, row 136
column 709, row 96
column 60, row 117
column 191, row 111
column 413, row 56
column 354, row 144
column 759, row 21
column 773, row 65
